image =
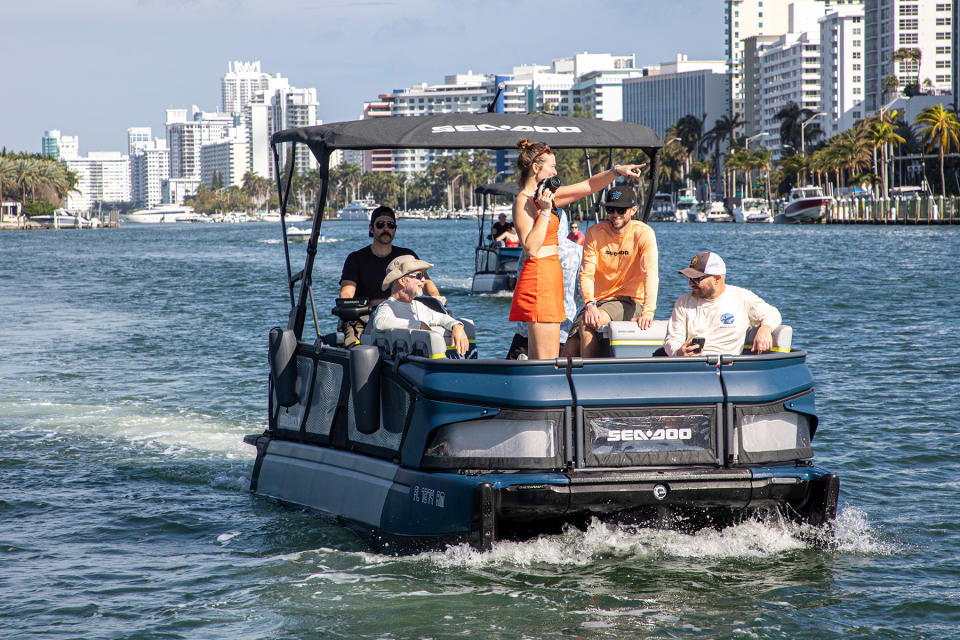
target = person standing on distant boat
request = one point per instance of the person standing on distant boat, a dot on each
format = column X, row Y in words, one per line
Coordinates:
column 538, row 296
column 364, row 269
column 575, row 234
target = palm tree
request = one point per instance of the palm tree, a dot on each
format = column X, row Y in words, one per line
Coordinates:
column 939, row 128
column 791, row 119
column 724, row 129
column 8, row 174
column 880, row 135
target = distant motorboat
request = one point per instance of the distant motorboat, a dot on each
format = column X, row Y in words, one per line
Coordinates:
column 411, row 215
column 166, row 213
column 62, row 219
column 687, row 207
column 715, row 211
column 752, row 210
column 663, row 209
column 296, row 234
column 805, row 205
column 358, row 209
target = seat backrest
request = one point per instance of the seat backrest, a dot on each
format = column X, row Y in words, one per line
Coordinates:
column 628, row 340
column 421, row 342
column 782, row 337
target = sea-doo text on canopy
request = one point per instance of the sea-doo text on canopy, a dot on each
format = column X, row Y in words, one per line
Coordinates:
column 410, row 447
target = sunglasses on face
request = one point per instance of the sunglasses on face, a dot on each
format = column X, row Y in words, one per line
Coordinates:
column 697, row 280
column 616, row 211
column 388, row 225
column 418, row 276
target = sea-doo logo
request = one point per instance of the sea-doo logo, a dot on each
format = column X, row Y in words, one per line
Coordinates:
column 610, row 252
column 727, row 318
column 523, row 128
column 622, row 435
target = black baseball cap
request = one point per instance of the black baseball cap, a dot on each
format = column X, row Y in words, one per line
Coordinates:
column 621, row 197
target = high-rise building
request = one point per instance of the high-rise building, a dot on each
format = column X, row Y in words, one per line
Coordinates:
column 240, row 85
column 61, row 147
column 378, row 160
column 292, row 107
column 676, row 89
column 841, row 68
column 745, row 18
column 600, row 93
column 149, row 168
column 228, row 160
column 909, row 43
column 138, row 138
column 789, row 73
column 753, row 90
column 955, row 60
column 102, row 177
column 186, row 135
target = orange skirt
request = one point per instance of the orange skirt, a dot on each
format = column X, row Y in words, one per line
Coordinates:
column 538, row 296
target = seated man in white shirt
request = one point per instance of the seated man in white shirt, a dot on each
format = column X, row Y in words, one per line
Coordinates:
column 405, row 279
column 719, row 313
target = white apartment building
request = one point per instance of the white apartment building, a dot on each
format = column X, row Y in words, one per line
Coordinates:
column 229, row 159
column 463, row 92
column 842, row 69
column 177, row 190
column 892, row 25
column 61, row 147
column 101, row 177
column 789, row 72
column 149, row 168
column 753, row 91
column 138, row 138
column 186, row 135
column 292, row 107
column 241, row 84
column 601, row 92
column 676, row 89
column 745, row 18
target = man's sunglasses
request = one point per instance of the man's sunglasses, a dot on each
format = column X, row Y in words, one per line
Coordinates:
column 388, row 225
column 616, row 211
column 418, row 276
column 697, row 280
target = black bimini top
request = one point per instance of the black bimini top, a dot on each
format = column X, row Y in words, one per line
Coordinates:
column 471, row 131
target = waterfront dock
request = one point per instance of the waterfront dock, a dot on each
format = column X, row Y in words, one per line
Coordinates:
column 901, row 211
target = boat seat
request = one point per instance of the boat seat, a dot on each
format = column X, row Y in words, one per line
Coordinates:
column 627, row 340
column 782, row 337
column 421, row 342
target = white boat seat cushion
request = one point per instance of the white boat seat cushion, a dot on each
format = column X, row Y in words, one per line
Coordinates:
column 421, row 342
column 782, row 337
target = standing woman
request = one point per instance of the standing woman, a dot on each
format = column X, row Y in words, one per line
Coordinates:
column 538, row 296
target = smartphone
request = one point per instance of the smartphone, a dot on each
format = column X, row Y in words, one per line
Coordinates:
column 699, row 342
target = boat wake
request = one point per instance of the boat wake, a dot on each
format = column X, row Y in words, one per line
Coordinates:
column 851, row 533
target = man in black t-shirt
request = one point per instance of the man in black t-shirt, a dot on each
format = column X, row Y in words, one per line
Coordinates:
column 499, row 227
column 365, row 269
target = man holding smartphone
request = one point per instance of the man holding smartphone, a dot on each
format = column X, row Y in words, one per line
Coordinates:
column 714, row 317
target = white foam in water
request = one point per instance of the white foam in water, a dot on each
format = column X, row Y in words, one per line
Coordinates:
column 181, row 434
column 224, row 538
column 851, row 533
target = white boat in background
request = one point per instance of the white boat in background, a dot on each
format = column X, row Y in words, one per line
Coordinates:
column 716, row 211
column 62, row 219
column 358, row 209
column 165, row 213
column 411, row 215
column 805, row 204
column 663, row 209
column 296, row 234
column 752, row 210
column 687, row 207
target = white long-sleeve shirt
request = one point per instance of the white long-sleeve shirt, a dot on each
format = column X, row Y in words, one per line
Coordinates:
column 723, row 321
column 394, row 314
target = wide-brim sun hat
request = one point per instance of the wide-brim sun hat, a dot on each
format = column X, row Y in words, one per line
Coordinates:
column 401, row 266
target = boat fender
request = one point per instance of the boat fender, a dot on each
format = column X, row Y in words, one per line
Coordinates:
column 283, row 365
column 365, row 386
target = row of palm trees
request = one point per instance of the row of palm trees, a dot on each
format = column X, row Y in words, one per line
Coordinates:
column 25, row 176
column 859, row 156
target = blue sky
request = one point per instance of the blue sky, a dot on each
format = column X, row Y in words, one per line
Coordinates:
column 93, row 68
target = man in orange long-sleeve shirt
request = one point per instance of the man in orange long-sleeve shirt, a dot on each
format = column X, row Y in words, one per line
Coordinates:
column 618, row 275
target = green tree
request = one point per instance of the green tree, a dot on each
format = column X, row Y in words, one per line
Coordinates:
column 939, row 129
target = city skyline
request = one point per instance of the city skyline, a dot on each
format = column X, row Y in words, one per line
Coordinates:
column 125, row 69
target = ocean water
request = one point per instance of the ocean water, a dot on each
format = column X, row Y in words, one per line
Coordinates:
column 133, row 362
